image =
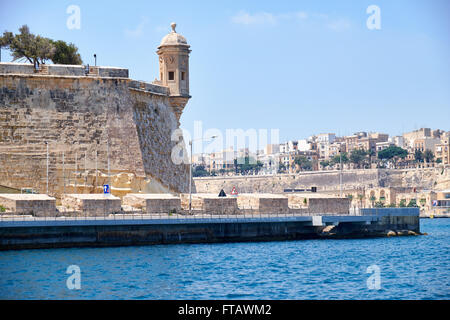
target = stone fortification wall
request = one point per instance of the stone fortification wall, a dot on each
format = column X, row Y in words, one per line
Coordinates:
column 328, row 181
column 62, row 70
column 323, row 180
column 80, row 117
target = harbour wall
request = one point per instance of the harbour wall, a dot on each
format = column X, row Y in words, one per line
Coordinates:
column 100, row 233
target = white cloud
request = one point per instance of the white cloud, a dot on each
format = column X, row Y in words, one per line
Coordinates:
column 162, row 29
column 258, row 18
column 339, row 25
column 245, row 18
column 266, row 18
column 138, row 31
column 301, row 15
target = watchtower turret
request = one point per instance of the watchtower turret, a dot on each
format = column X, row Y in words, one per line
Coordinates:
column 173, row 55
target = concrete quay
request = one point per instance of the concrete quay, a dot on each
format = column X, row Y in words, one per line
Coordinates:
column 126, row 230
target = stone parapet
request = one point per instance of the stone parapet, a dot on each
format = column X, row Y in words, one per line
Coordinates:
column 145, row 86
column 63, row 70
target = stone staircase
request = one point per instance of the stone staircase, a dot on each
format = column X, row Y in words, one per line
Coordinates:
column 93, row 71
column 43, row 70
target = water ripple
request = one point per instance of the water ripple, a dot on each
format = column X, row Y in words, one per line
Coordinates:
column 410, row 268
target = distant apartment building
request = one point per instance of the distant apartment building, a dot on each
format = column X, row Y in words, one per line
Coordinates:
column 398, row 141
column 272, row 149
column 303, row 145
column 427, row 143
column 201, row 160
column 383, row 145
column 223, row 160
column 326, row 137
column 410, row 137
column 334, row 149
column 442, row 149
column 365, row 141
column 442, row 203
column 288, row 160
column 269, row 162
column 289, row 146
column 244, row 152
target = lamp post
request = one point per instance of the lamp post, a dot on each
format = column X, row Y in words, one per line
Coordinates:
column 95, row 58
column 190, row 171
column 47, row 165
column 340, row 173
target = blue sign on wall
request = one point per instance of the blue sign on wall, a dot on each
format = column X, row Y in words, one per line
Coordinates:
column 106, row 188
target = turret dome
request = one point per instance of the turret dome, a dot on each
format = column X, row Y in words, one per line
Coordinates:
column 173, row 38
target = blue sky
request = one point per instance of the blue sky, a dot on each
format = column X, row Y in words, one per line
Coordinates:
column 303, row 67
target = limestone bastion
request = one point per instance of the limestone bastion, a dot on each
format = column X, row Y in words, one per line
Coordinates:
column 86, row 112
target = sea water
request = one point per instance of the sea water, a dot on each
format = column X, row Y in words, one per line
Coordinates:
column 415, row 267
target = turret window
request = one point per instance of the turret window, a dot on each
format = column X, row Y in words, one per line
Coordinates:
column 171, row 75
column 183, row 74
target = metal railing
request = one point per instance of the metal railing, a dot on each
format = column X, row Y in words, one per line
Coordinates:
column 250, row 213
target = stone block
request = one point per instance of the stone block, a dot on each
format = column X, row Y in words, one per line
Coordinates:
column 92, row 204
column 331, row 206
column 39, row 205
column 210, row 203
column 153, row 202
column 263, row 203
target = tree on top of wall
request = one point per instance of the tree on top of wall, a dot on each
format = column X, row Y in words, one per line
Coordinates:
column 412, row 203
column 359, row 157
column 392, row 153
column 337, row 158
column 418, row 155
column 402, row 203
column 200, row 171
column 428, row 155
column 66, row 53
column 303, row 162
column 37, row 49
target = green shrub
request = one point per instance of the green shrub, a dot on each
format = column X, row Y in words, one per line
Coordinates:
column 412, row 204
column 2, row 208
column 379, row 204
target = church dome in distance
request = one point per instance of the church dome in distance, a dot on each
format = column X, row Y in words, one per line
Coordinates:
column 173, row 38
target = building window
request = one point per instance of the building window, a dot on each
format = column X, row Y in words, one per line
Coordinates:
column 182, row 75
column 171, row 75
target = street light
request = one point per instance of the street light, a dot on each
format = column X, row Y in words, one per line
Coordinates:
column 46, row 143
column 340, row 173
column 190, row 171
